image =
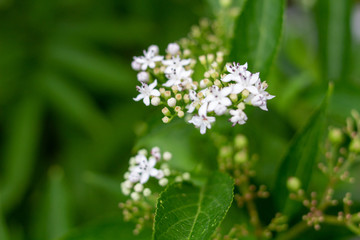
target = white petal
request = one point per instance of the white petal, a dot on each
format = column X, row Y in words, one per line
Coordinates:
column 211, row 119
column 212, row 106
column 154, row 172
column 155, row 93
column 237, row 88
column 203, row 129
column 139, row 97
column 185, row 62
column 144, row 66
column 153, row 85
column 144, row 177
column 228, row 78
column 152, row 64
column 252, row 89
column 226, row 91
column 203, row 109
column 157, row 58
column 225, row 102
column 147, row 101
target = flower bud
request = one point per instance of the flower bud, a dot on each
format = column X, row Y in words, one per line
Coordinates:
column 167, row 156
column 210, row 57
column 225, row 3
column 166, row 111
column 155, row 101
column 181, row 114
column 171, row 102
column 217, row 82
column 245, row 93
column 187, row 52
column 135, row 196
column 186, row 176
column 147, row 192
column 173, row 48
column 355, row 145
column 293, row 184
column 167, row 94
column 240, row 142
column 138, row 187
column 335, row 136
column 165, row 119
column 186, row 98
column 163, row 182
column 240, row 157
column 178, row 97
column 233, row 97
column 174, row 89
column 202, row 60
column 135, row 65
column 177, row 109
column 154, row 49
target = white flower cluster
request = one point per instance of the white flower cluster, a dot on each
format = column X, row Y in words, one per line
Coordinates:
column 141, row 168
column 217, row 94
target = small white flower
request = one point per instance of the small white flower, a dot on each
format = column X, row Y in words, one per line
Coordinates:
column 150, row 58
column 218, row 100
column 195, row 101
column 238, row 117
column 186, row 176
column 143, row 76
column 236, row 72
column 260, row 99
column 173, row 48
column 177, row 77
column 202, row 122
column 125, row 191
column 175, row 63
column 144, row 170
column 146, row 91
column 249, row 81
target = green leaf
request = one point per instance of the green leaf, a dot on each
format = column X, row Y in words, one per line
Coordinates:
column 108, row 229
column 18, row 163
column 257, row 34
column 188, row 212
column 333, row 20
column 301, row 158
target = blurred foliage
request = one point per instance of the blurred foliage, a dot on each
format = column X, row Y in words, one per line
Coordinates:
column 68, row 123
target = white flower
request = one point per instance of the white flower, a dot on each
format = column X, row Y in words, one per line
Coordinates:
column 146, row 192
column 144, row 169
column 195, row 101
column 175, row 63
column 238, row 117
column 260, row 99
column 150, row 58
column 173, row 48
column 202, row 122
column 249, row 81
column 218, row 100
column 146, row 91
column 178, row 77
column 143, row 76
column 167, row 156
column 236, row 71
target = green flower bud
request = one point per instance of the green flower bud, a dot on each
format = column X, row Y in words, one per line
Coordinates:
column 355, row 145
column 240, row 142
column 240, row 157
column 293, row 184
column 336, row 136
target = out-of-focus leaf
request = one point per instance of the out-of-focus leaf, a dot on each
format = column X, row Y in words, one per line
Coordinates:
column 53, row 212
column 301, row 158
column 108, row 229
column 188, row 212
column 108, row 31
column 333, row 19
column 75, row 104
column 94, row 69
column 257, row 34
column 3, row 230
column 105, row 183
column 18, row 162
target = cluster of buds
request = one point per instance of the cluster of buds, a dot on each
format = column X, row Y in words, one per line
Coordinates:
column 144, row 168
column 236, row 232
column 278, row 224
column 168, row 81
column 141, row 168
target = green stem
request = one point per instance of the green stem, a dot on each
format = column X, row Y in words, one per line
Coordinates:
column 295, row 231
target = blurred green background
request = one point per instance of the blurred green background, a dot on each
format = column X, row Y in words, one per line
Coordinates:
column 68, row 122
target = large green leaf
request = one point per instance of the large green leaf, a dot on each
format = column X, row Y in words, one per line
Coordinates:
column 301, row 158
column 333, row 19
column 188, row 212
column 108, row 229
column 18, row 163
column 257, row 34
